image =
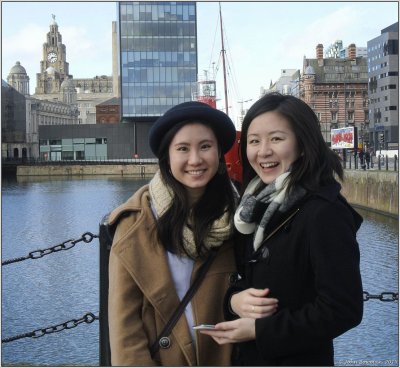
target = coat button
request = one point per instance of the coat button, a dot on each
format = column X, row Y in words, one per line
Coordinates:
column 233, row 278
column 265, row 253
column 165, row 342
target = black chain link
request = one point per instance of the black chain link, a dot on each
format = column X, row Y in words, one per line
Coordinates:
column 383, row 297
column 68, row 244
column 72, row 323
column 90, row 317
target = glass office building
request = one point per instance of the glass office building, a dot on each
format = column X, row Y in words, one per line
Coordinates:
column 158, row 56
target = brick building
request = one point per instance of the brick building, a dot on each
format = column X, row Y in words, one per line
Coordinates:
column 107, row 112
column 337, row 90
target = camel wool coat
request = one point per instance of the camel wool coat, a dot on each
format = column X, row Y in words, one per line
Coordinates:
column 142, row 295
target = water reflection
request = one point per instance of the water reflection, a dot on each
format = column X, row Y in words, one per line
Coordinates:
column 41, row 212
column 375, row 341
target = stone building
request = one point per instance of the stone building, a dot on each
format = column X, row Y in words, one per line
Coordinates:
column 287, row 84
column 58, row 100
column 18, row 79
column 21, row 116
column 337, row 90
column 54, row 70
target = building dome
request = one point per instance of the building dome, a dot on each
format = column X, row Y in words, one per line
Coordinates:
column 309, row 70
column 18, row 79
column 68, row 91
column 50, row 70
column 17, row 69
column 67, row 83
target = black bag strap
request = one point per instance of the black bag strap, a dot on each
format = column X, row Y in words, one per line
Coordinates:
column 181, row 307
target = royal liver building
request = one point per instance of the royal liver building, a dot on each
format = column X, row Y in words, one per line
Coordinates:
column 59, row 99
column 54, row 70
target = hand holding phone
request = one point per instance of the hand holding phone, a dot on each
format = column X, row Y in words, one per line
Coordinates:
column 204, row 327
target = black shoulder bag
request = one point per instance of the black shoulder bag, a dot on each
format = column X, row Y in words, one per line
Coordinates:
column 162, row 339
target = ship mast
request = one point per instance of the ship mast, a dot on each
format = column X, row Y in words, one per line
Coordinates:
column 223, row 61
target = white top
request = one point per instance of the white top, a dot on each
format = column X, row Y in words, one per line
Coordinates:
column 181, row 271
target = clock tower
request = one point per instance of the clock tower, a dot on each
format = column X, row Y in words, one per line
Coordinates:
column 53, row 67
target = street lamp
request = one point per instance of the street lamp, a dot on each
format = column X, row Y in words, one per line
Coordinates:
column 242, row 110
column 241, row 105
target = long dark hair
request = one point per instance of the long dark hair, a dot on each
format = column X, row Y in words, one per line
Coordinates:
column 317, row 163
column 216, row 199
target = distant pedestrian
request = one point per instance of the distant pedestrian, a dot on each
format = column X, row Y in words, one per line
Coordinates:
column 372, row 155
column 367, row 158
column 361, row 157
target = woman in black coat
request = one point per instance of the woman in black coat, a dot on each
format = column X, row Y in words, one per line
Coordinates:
column 297, row 251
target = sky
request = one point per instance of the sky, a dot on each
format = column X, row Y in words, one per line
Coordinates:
column 261, row 38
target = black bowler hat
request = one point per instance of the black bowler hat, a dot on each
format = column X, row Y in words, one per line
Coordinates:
column 222, row 125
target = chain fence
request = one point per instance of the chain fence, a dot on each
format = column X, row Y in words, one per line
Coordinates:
column 67, row 325
column 68, row 244
column 90, row 317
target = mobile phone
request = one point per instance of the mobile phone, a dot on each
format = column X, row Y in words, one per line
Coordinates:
column 204, row 327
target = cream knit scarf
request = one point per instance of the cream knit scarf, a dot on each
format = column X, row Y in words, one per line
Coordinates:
column 255, row 211
column 162, row 196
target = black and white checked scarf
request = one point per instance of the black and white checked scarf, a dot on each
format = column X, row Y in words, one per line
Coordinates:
column 249, row 217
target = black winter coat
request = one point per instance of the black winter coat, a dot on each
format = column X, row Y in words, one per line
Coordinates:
column 311, row 264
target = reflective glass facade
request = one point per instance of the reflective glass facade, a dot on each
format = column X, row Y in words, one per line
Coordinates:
column 158, row 56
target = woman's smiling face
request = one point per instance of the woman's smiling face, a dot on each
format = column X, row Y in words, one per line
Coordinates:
column 194, row 157
column 271, row 145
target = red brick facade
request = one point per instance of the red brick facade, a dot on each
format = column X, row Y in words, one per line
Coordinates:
column 108, row 112
column 337, row 90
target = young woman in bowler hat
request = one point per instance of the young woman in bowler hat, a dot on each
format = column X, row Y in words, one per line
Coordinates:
column 164, row 233
column 299, row 243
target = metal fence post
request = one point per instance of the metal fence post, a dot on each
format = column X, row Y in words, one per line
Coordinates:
column 105, row 240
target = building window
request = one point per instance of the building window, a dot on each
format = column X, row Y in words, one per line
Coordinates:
column 158, row 56
column 391, row 47
column 333, row 115
column 350, row 116
column 67, row 155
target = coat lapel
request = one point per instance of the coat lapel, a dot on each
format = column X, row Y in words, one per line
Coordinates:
column 147, row 262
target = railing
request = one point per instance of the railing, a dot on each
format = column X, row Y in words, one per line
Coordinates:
column 380, row 162
column 88, row 161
